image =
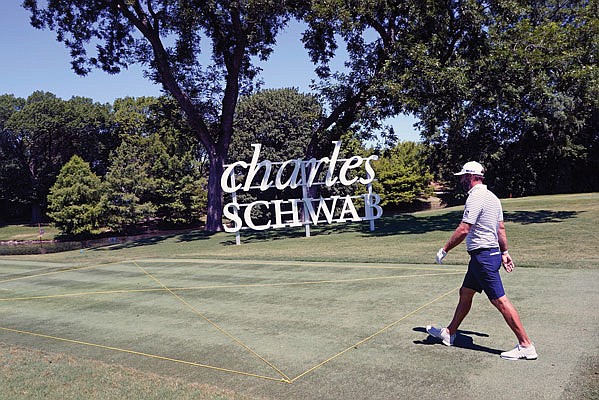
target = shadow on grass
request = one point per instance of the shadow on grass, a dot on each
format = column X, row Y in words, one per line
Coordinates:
column 539, row 217
column 152, row 240
column 248, row 236
column 462, row 340
column 417, row 224
column 387, row 226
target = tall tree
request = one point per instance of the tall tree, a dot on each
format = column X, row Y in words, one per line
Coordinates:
column 391, row 49
column 278, row 120
column 166, row 38
column 149, row 184
column 488, row 79
column 527, row 104
column 12, row 175
column 46, row 132
column 130, row 197
column 176, row 161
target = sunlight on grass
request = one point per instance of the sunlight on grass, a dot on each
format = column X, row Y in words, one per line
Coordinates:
column 543, row 231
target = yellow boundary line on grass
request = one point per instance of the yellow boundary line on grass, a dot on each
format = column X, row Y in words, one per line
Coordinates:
column 215, row 325
column 211, row 287
column 310, row 264
column 285, row 380
column 361, row 342
column 284, row 377
column 138, row 353
column 60, row 271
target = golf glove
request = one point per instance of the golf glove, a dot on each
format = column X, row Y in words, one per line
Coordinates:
column 440, row 256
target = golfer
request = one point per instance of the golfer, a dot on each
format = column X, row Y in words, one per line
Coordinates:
column 486, row 241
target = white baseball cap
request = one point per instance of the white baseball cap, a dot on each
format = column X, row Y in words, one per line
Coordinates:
column 473, row 168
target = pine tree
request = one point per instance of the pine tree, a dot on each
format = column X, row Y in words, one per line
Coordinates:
column 402, row 175
column 74, row 200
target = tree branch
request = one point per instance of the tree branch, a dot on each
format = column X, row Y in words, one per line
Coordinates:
column 233, row 61
column 142, row 23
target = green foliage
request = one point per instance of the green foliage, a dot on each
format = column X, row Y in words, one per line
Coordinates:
column 130, row 184
column 74, row 200
column 40, row 134
column 525, row 104
column 13, row 193
column 181, row 193
column 402, row 175
column 155, row 176
column 395, row 50
column 512, row 84
column 280, row 120
column 132, row 116
column 147, row 185
column 168, row 38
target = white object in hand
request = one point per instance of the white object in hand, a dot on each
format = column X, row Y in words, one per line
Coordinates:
column 440, row 256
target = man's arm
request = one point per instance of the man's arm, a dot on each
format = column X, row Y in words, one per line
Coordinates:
column 508, row 263
column 458, row 236
column 502, row 237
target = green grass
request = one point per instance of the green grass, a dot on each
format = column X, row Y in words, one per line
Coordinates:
column 27, row 232
column 298, row 302
column 35, row 374
column 544, row 231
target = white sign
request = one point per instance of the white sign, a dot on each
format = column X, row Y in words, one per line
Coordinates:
column 304, row 173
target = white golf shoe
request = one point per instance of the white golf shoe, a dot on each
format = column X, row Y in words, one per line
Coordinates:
column 441, row 333
column 520, row 353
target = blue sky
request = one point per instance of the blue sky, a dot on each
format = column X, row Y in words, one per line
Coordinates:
column 33, row 60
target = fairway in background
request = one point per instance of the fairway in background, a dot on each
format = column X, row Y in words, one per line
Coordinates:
column 561, row 225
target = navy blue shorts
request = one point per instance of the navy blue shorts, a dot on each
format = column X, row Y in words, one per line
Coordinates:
column 483, row 273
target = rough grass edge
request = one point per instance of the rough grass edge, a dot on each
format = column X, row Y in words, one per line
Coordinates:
column 26, row 373
column 584, row 382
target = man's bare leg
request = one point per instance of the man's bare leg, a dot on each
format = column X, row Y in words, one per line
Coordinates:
column 512, row 318
column 462, row 309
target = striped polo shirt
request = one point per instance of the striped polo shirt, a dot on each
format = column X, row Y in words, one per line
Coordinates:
column 483, row 211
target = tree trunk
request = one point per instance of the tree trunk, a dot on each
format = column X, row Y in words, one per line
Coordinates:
column 36, row 214
column 214, row 214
